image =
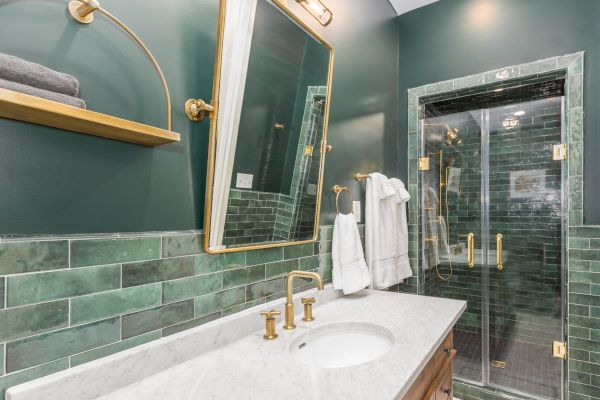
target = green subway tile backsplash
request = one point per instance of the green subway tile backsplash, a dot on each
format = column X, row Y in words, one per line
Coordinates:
column 28, row 320
column 157, row 318
column 192, row 287
column 20, row 257
column 44, row 286
column 117, row 302
column 36, row 350
column 119, row 293
column 158, row 270
column 111, row 251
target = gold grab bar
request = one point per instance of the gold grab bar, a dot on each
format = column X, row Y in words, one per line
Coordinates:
column 499, row 257
column 470, row 250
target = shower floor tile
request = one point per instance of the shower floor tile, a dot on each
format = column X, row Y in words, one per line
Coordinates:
column 528, row 367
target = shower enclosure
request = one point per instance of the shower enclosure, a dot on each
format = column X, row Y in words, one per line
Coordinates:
column 491, row 228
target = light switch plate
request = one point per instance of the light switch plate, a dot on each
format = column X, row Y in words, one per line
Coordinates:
column 244, row 181
column 356, row 210
column 311, row 189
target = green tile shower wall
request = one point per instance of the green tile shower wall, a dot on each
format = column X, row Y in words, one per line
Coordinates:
column 583, row 326
column 65, row 306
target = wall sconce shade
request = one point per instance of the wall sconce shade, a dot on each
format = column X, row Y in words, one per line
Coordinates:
column 318, row 10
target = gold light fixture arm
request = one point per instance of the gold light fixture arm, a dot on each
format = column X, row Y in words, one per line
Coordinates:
column 81, row 11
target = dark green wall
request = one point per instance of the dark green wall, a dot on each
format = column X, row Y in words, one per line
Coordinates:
column 53, row 181
column 455, row 38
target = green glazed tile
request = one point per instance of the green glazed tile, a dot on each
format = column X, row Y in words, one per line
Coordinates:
column 280, row 268
column 242, row 307
column 214, row 302
column 113, row 348
column 110, row 251
column 576, row 159
column 233, row 260
column 576, row 125
column 19, row 257
column 45, row 286
column 575, row 91
column 141, row 273
column 308, row 263
column 2, row 284
column 192, row 287
column 571, row 61
column 538, row 67
column 469, row 81
column 501, row 74
column 108, row 304
column 171, row 330
column 303, row 250
column 207, row 263
column 1, row 364
column 29, row 320
column 264, row 289
column 11, row 380
column 263, row 256
column 156, row 318
column 243, row 276
column 52, row 346
column 182, row 245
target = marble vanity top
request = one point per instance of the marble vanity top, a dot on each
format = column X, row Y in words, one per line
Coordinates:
column 219, row 361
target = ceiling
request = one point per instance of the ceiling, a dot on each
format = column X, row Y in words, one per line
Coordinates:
column 404, row 6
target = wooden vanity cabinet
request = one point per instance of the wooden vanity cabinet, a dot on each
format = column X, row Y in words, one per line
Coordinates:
column 435, row 382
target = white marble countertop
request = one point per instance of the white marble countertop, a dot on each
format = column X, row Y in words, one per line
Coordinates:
column 250, row 367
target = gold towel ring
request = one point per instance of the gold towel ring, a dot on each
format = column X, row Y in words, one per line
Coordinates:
column 337, row 189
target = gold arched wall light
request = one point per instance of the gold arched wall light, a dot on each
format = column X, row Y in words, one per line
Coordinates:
column 318, row 10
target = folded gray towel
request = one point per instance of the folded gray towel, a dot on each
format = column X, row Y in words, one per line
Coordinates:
column 35, row 75
column 44, row 94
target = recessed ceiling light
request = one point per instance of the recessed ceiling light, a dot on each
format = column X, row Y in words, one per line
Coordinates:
column 519, row 113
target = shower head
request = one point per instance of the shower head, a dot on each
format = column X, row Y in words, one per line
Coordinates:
column 452, row 134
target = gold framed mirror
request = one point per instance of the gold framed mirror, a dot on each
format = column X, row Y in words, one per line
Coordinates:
column 268, row 133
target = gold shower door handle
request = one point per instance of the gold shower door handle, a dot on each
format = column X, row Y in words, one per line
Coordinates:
column 470, row 250
column 499, row 258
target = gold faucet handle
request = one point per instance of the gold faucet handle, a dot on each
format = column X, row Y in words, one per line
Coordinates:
column 270, row 333
column 308, row 303
column 270, row 314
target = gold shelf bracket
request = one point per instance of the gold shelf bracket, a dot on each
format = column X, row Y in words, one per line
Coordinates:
column 82, row 11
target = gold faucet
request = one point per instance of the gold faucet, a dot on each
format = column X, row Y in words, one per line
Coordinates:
column 289, row 305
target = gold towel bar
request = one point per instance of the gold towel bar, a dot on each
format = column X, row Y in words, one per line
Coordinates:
column 360, row 177
column 337, row 189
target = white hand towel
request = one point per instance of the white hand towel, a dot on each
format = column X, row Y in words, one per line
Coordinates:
column 380, row 239
column 401, row 226
column 350, row 272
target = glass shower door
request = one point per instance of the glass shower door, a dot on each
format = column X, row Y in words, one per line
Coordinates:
column 524, row 262
column 451, row 206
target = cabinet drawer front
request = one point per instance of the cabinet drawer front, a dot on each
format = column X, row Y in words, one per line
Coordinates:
column 444, row 392
column 422, row 386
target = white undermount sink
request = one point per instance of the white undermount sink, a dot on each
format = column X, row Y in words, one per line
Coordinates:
column 342, row 345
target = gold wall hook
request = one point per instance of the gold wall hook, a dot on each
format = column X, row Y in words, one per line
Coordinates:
column 270, row 324
column 328, row 148
column 196, row 109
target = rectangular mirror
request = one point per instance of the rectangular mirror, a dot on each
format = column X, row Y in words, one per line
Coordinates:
column 268, row 141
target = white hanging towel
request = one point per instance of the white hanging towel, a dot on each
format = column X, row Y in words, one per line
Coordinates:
column 350, row 273
column 380, row 238
column 401, row 226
